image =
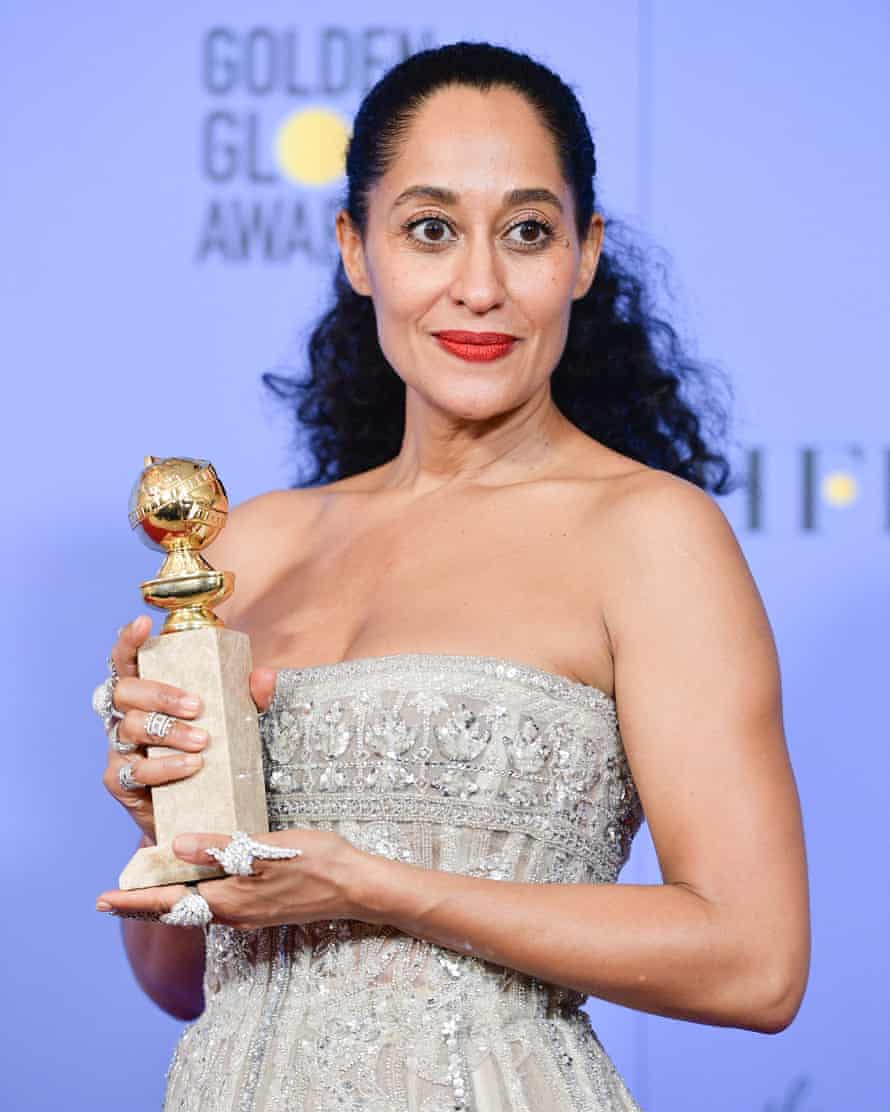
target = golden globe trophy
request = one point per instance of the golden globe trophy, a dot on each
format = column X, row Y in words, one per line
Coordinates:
column 178, row 506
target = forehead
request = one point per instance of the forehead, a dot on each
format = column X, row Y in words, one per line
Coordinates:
column 475, row 142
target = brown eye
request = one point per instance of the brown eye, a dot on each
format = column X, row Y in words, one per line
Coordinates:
column 533, row 233
column 434, row 233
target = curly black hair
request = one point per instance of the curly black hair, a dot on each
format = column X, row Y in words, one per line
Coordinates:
column 623, row 368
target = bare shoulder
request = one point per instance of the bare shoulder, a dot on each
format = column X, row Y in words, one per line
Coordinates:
column 262, row 535
column 646, row 499
column 265, row 517
column 656, row 516
column 672, row 547
column 275, row 527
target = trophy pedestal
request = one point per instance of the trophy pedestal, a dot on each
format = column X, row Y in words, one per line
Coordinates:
column 228, row 792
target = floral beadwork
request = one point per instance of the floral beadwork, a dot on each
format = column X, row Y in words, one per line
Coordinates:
column 474, row 765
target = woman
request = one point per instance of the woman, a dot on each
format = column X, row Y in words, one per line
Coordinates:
column 503, row 622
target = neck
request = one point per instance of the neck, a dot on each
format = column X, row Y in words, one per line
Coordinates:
column 440, row 450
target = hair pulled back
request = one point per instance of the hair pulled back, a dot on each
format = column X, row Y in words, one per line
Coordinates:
column 623, row 368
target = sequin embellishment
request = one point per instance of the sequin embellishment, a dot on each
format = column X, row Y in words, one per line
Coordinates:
column 466, row 764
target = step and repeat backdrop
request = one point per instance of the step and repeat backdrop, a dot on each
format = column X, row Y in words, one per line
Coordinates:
column 170, row 178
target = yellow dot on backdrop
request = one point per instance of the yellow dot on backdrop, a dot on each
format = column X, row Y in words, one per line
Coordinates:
column 310, row 146
column 839, row 489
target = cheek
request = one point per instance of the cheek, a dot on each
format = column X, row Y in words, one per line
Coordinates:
column 403, row 292
column 545, row 291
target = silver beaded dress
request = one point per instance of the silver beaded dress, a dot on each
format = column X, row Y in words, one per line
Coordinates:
column 469, row 764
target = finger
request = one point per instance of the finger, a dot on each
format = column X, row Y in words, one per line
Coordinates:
column 148, row 772
column 132, row 693
column 181, row 735
column 154, row 901
column 129, row 639
column 193, row 847
column 262, row 687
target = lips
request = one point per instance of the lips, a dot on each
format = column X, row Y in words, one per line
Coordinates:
column 476, row 347
column 457, row 337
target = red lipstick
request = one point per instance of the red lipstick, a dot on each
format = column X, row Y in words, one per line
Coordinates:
column 477, row 347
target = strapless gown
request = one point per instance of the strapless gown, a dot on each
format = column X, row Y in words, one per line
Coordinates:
column 473, row 765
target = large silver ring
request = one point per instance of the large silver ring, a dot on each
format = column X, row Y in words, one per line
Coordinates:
column 102, row 695
column 191, row 910
column 238, row 855
column 103, row 699
column 122, row 747
column 125, row 776
column 158, row 724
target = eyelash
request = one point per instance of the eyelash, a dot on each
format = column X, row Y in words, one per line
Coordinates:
column 546, row 227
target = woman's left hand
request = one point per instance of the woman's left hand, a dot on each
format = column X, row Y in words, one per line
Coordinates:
column 323, row 883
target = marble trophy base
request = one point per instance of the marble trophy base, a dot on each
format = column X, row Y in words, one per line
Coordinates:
column 228, row 792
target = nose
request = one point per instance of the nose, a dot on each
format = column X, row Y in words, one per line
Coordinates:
column 478, row 279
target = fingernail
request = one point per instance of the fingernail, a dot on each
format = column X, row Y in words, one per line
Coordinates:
column 197, row 735
column 190, row 760
column 185, row 843
column 190, row 702
column 103, row 905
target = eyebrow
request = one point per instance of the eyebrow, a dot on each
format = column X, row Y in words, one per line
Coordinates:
column 449, row 197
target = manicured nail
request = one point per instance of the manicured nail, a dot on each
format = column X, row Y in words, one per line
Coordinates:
column 190, row 702
column 103, row 905
column 185, row 843
column 197, row 736
column 189, row 760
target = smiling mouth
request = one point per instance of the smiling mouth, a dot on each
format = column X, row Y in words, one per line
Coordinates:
column 476, row 347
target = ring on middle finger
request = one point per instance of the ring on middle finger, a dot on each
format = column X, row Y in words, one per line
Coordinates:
column 158, row 724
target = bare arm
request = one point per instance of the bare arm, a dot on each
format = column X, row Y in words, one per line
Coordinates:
column 725, row 939
column 167, row 962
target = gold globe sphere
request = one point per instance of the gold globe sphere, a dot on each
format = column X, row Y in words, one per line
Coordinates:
column 178, row 503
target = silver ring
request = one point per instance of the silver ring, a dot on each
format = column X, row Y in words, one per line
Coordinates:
column 157, row 724
column 102, row 694
column 125, row 776
column 237, row 857
column 191, row 910
column 122, row 747
column 103, row 700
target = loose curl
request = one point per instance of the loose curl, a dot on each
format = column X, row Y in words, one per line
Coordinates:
column 623, row 368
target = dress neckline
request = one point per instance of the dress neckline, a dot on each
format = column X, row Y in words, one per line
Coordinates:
column 498, row 666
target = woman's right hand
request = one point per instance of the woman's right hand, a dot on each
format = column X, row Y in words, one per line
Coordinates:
column 136, row 698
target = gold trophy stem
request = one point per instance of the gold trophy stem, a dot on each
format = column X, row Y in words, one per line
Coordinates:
column 190, row 617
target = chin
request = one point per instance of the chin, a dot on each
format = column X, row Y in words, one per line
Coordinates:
column 481, row 407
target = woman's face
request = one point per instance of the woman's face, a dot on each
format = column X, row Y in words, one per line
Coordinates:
column 468, row 256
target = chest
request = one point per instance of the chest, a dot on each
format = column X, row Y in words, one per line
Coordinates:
column 502, row 577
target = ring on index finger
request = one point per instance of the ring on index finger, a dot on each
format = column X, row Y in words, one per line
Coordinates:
column 237, row 857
